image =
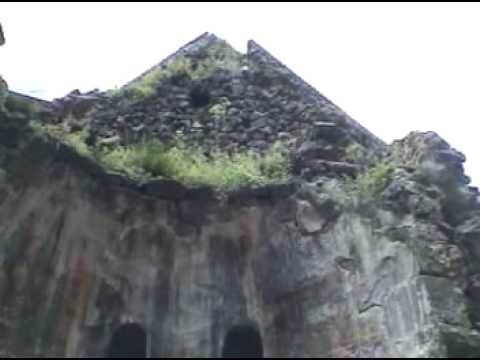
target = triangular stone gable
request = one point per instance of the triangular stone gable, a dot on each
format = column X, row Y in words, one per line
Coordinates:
column 199, row 42
column 258, row 54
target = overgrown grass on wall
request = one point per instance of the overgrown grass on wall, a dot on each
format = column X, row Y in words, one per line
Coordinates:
column 190, row 165
column 187, row 164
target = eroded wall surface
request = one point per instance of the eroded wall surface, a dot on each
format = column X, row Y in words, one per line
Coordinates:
column 83, row 251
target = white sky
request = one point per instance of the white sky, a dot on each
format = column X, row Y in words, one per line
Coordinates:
column 393, row 67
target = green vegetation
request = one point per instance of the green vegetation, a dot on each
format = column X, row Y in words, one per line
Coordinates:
column 355, row 153
column 187, row 164
column 190, row 165
column 217, row 55
column 371, row 183
column 76, row 140
column 218, row 112
column 363, row 189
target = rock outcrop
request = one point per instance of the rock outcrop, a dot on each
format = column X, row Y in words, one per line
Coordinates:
column 368, row 251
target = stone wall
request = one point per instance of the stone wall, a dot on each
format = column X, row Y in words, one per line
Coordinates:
column 328, row 110
column 246, row 105
column 330, row 264
column 84, row 252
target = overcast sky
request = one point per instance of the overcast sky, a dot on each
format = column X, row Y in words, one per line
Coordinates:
column 393, row 67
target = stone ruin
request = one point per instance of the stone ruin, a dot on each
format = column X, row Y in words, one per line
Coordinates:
column 94, row 263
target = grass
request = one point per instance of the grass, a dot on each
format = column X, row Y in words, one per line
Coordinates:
column 187, row 164
column 191, row 166
column 371, row 183
column 145, row 87
column 366, row 188
column 218, row 55
column 229, row 171
column 76, row 140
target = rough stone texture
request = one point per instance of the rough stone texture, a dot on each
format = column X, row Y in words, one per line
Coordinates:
column 317, row 270
column 82, row 255
column 248, row 102
column 83, row 252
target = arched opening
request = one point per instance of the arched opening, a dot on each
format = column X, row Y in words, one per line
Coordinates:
column 129, row 341
column 243, row 342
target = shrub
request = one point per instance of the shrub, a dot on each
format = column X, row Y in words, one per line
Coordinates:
column 364, row 189
column 369, row 185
